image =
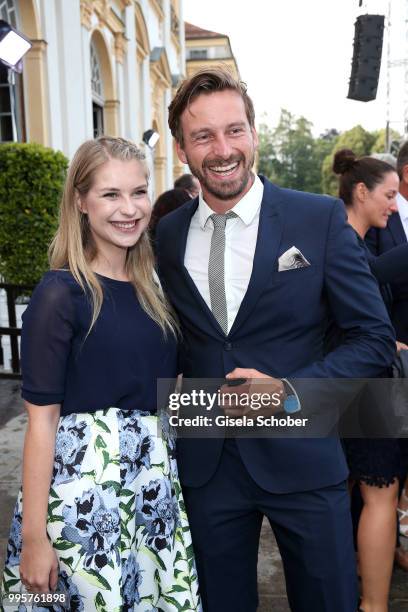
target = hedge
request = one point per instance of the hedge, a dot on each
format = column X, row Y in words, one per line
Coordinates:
column 31, row 181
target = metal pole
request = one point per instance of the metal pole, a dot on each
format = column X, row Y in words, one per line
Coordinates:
column 12, row 83
column 388, row 95
column 406, row 75
column 11, row 309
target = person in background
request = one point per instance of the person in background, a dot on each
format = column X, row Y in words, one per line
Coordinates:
column 189, row 182
column 100, row 515
column 369, row 188
column 380, row 241
column 166, row 203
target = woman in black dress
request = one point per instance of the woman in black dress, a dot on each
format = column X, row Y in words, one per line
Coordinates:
column 368, row 188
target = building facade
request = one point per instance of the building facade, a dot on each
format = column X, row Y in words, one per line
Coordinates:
column 205, row 48
column 96, row 66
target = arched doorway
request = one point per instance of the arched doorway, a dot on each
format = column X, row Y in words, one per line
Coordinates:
column 103, row 88
column 98, row 100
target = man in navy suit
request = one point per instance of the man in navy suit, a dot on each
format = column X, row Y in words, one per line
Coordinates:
column 253, row 291
column 396, row 233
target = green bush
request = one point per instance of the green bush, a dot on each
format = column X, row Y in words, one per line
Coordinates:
column 31, row 181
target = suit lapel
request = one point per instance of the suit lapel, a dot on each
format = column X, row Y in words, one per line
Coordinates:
column 184, row 227
column 396, row 229
column 269, row 237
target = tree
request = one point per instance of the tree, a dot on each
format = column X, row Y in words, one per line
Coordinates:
column 380, row 145
column 324, row 145
column 287, row 154
column 359, row 141
column 291, row 157
column 266, row 153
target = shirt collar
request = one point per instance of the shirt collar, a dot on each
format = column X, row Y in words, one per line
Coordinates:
column 402, row 204
column 246, row 209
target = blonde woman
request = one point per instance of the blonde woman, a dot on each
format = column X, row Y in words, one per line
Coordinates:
column 100, row 517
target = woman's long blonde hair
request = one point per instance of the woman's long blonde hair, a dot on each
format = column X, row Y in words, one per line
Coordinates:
column 74, row 246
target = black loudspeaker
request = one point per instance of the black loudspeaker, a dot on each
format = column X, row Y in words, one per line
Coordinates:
column 366, row 64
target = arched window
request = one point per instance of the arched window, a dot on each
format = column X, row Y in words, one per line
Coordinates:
column 8, row 12
column 97, row 93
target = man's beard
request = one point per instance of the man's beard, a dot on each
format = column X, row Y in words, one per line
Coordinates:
column 226, row 190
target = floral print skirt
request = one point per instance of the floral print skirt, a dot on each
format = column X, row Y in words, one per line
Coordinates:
column 116, row 518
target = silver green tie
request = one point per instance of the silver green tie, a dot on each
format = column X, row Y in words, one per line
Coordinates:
column 216, row 271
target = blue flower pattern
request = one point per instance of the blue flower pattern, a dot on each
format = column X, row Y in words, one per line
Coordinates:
column 136, row 446
column 14, row 543
column 157, row 512
column 131, row 580
column 94, row 523
column 70, row 446
column 116, row 518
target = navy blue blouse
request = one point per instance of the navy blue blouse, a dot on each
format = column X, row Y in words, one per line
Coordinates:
column 118, row 364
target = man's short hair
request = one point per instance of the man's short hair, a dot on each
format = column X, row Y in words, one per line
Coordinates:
column 185, row 181
column 402, row 159
column 206, row 81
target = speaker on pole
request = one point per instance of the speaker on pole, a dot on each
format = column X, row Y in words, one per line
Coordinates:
column 366, row 64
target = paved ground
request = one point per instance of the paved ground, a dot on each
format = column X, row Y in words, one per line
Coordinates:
column 271, row 582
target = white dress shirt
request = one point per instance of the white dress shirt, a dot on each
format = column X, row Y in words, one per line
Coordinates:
column 402, row 204
column 240, row 242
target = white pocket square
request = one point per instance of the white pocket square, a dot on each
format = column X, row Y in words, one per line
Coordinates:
column 291, row 260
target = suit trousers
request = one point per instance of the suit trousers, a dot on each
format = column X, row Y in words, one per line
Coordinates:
column 313, row 530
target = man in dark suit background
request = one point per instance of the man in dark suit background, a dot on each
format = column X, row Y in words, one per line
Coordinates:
column 254, row 272
column 380, row 241
column 396, row 233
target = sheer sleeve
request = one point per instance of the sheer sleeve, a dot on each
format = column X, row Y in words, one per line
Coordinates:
column 48, row 327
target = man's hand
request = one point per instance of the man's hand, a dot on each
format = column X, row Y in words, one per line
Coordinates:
column 401, row 347
column 259, row 395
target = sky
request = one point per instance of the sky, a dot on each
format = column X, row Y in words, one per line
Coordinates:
column 296, row 54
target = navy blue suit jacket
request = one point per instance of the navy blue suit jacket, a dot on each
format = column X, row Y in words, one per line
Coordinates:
column 280, row 328
column 380, row 241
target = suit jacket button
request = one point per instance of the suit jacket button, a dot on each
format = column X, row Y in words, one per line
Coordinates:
column 227, row 346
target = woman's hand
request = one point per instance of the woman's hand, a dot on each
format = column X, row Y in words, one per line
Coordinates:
column 401, row 347
column 38, row 563
column 38, row 566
